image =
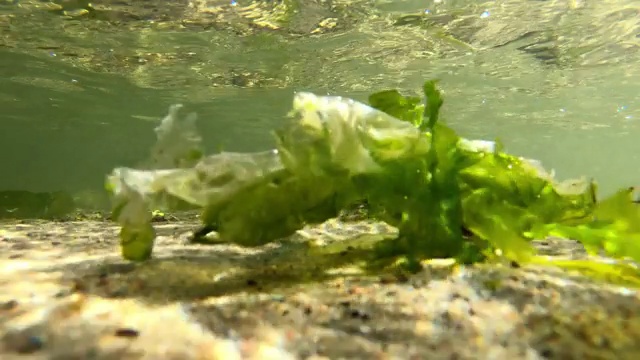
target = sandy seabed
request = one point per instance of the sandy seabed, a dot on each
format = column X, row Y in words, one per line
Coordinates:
column 65, row 293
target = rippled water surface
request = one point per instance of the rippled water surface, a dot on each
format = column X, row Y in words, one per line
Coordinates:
column 82, row 86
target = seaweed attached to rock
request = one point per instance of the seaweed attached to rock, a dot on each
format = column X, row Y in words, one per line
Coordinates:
column 448, row 196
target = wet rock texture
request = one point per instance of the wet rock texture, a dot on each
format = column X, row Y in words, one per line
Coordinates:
column 65, row 294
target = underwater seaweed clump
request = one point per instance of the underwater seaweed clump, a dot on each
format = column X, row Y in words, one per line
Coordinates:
column 448, row 196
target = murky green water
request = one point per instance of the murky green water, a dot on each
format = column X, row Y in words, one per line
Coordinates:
column 80, row 94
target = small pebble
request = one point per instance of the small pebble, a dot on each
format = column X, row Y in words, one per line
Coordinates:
column 128, row 333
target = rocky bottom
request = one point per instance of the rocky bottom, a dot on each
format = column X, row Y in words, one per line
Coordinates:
column 66, row 294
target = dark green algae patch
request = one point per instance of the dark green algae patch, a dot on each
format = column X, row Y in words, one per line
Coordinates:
column 449, row 197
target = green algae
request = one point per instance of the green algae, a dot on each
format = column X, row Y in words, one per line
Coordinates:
column 449, row 197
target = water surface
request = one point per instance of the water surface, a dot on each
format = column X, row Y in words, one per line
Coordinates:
column 557, row 81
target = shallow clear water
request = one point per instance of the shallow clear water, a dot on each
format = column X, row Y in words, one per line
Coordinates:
column 78, row 99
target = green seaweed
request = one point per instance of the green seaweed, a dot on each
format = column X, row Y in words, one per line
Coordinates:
column 449, row 197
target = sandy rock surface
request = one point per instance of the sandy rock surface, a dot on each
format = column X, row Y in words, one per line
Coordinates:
column 66, row 294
